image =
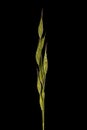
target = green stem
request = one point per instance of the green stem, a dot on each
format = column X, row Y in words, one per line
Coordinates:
column 43, row 112
column 43, row 115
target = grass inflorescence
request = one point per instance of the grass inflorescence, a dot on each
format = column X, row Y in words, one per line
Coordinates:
column 42, row 68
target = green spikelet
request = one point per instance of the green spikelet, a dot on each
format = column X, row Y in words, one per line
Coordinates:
column 42, row 63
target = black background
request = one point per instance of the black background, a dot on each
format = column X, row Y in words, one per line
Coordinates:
column 19, row 39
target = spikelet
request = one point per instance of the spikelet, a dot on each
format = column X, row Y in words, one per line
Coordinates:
column 42, row 63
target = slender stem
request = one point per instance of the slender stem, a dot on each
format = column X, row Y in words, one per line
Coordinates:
column 43, row 115
column 43, row 112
